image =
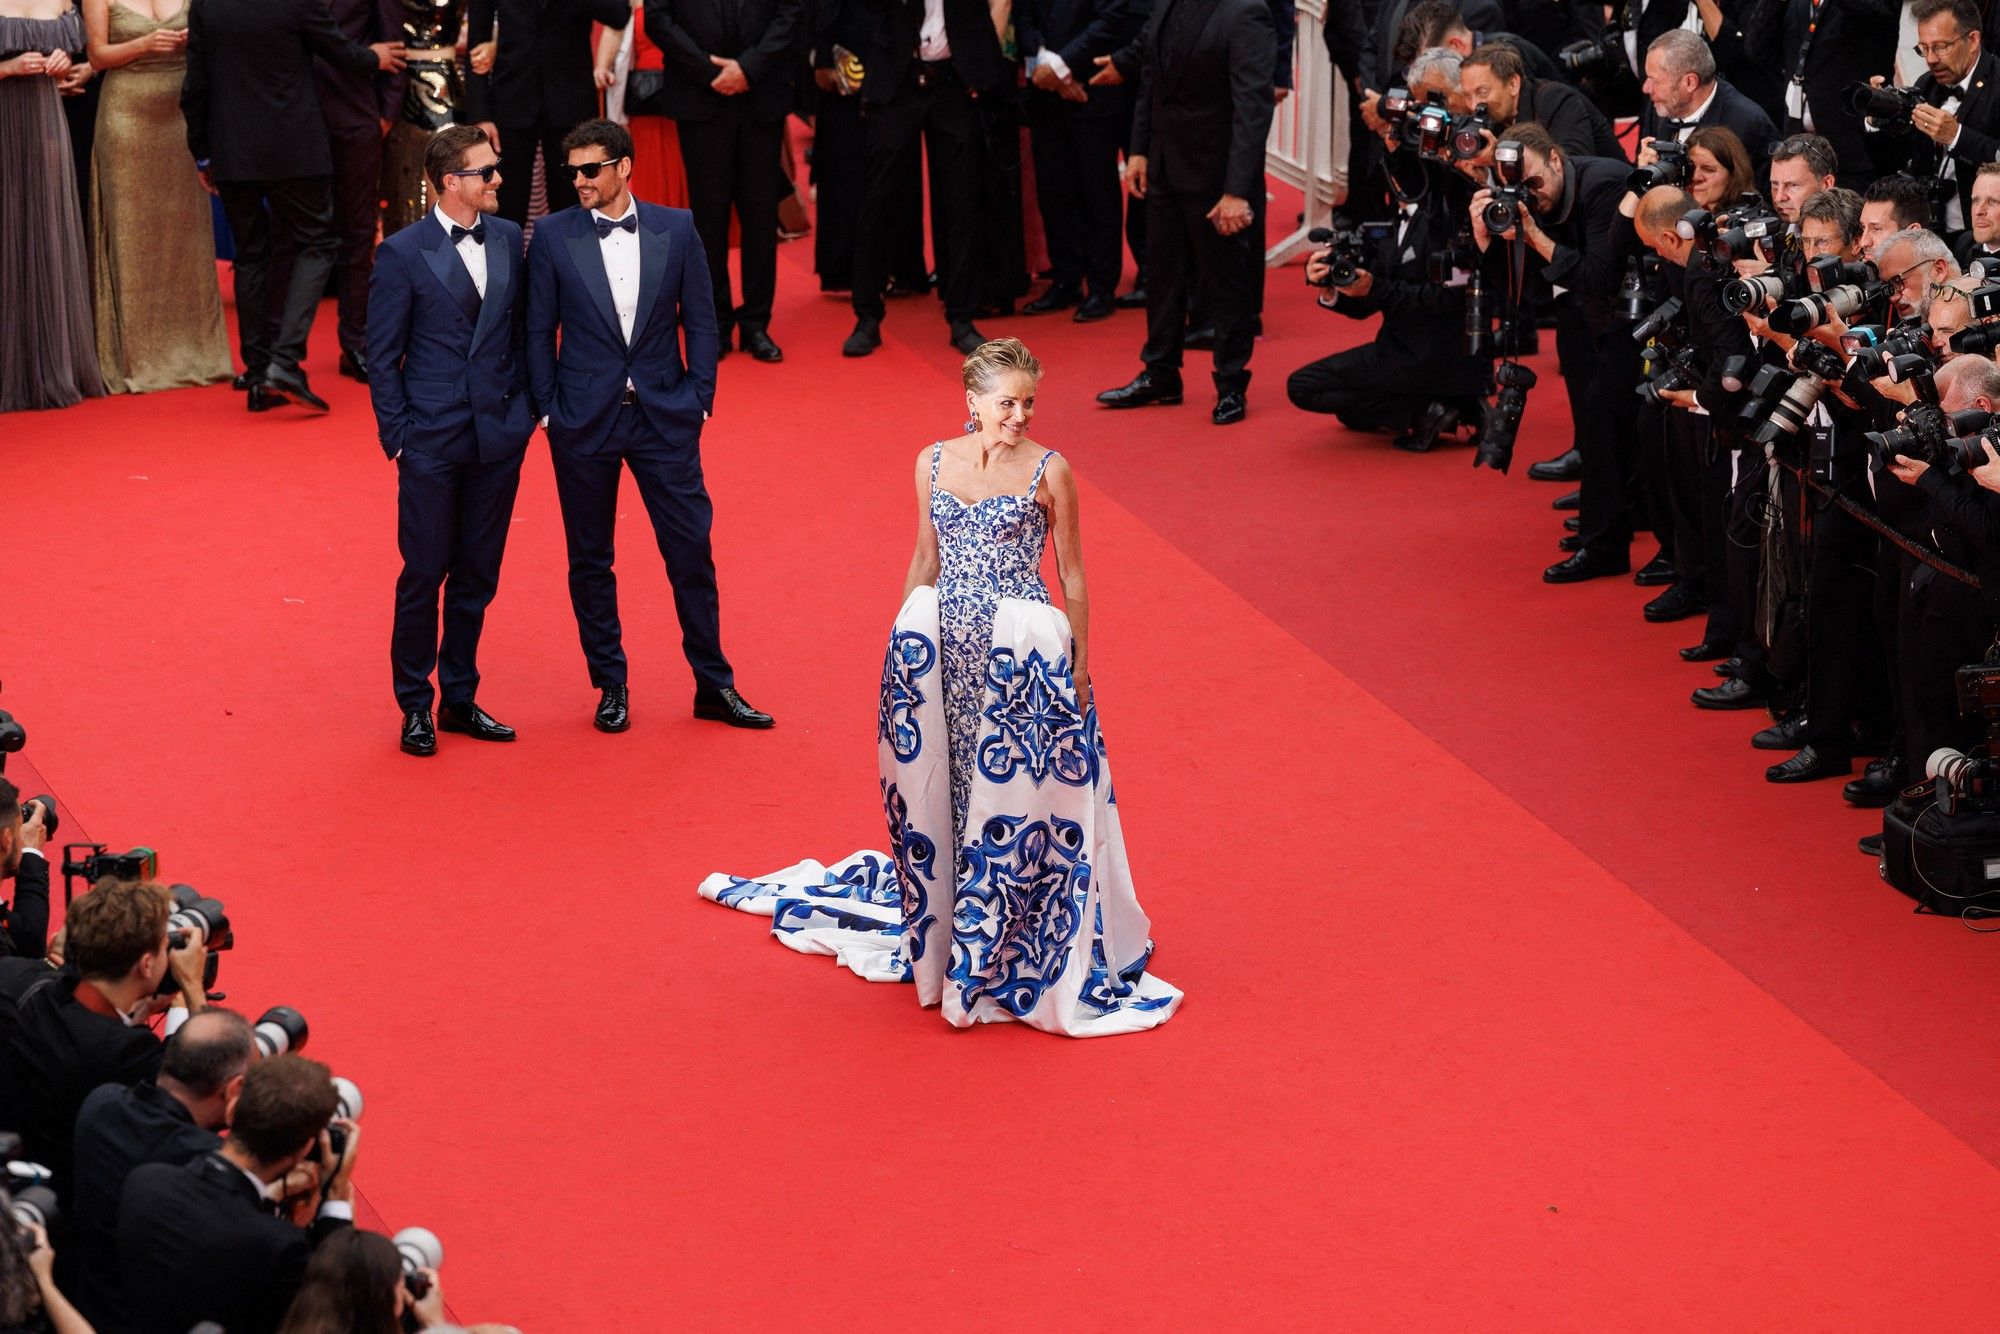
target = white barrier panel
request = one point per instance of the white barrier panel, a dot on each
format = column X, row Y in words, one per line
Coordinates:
column 1309, row 132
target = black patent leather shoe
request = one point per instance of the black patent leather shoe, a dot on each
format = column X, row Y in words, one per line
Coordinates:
column 1879, row 783
column 1787, row 735
column 243, row 381
column 419, row 736
column 1676, row 604
column 1093, row 309
column 1808, row 766
column 1230, row 408
column 1564, row 467
column 1051, row 301
column 263, row 398
column 1735, row 693
column 1704, row 652
column 1574, row 523
column 612, row 714
column 1132, row 300
column 1570, row 542
column 1657, row 573
column 1870, row 844
column 1585, row 565
column 965, row 336
column 1422, row 436
column 473, row 721
column 1145, row 389
column 759, row 345
column 292, row 381
column 1729, row 666
column 867, row 336
column 1202, row 338
column 1568, row 500
column 726, row 706
column 354, row 366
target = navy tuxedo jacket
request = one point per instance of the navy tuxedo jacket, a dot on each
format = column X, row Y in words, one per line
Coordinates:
column 446, row 370
column 581, row 385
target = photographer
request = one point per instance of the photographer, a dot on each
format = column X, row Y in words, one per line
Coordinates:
column 354, row 1285
column 1949, row 122
column 30, row 1301
column 21, row 860
column 1583, row 250
column 1416, row 367
column 1801, row 166
column 1890, row 205
column 87, row 1025
column 1495, row 76
column 1439, row 23
column 201, row 1242
column 1919, row 264
column 1822, row 47
column 1683, row 94
column 1982, row 217
column 122, row 1127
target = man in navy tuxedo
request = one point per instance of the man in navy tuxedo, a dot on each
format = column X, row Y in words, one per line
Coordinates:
column 450, row 388
column 627, row 286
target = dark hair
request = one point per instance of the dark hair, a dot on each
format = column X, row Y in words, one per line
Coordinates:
column 1839, row 206
column 115, row 925
column 1967, row 13
column 1532, row 137
column 1427, row 24
column 208, row 1051
column 1909, row 199
column 20, row 1294
column 1818, row 153
column 349, row 1287
column 10, row 802
column 613, row 138
column 1504, row 60
column 1722, row 144
column 448, row 149
column 285, row 1103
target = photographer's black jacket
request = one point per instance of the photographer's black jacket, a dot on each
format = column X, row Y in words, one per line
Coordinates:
column 1968, row 512
column 1732, row 111
column 1592, row 240
column 1571, row 119
column 1851, row 41
column 1713, row 333
column 1978, row 114
column 27, row 932
column 1422, row 329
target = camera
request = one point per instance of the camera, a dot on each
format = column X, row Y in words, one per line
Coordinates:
column 1506, row 199
column 1815, row 366
column 198, row 918
column 1468, row 134
column 1639, row 291
column 1886, row 106
column 1747, row 233
column 347, row 1107
column 1981, row 340
column 1350, row 248
column 280, row 1029
column 1496, row 443
column 1878, row 349
column 1741, row 294
column 1671, row 168
column 1450, row 265
column 1944, row 440
column 1671, row 362
column 1804, row 314
column 1425, row 126
column 1590, row 56
column 92, row 862
column 25, row 1186
column 421, row 1250
column 1984, row 301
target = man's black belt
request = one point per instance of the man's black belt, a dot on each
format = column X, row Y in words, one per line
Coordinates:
column 931, row 72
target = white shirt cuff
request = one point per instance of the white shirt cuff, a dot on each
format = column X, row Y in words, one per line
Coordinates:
column 340, row 1209
column 1953, row 145
column 33, row 852
column 1054, row 62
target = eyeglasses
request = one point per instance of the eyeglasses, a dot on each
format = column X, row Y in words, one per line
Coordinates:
column 589, row 170
column 485, row 173
column 1897, row 279
column 1925, row 52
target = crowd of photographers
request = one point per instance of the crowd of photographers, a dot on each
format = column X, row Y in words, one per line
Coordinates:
column 167, row 1165
column 1774, row 324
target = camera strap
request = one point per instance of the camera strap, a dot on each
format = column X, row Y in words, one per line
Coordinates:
column 1875, row 524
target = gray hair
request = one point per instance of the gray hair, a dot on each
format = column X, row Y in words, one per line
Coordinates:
column 1981, row 374
column 1685, row 53
column 1439, row 62
column 1924, row 248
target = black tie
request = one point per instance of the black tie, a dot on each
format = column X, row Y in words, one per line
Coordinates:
column 605, row 226
column 477, row 231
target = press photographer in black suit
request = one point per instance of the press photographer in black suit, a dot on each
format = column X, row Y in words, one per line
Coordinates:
column 542, row 83
column 1956, row 125
column 1822, row 46
column 1439, row 23
column 1684, row 94
column 227, row 1237
column 22, row 861
column 730, row 66
column 1205, row 102
column 121, row 1127
column 1496, row 77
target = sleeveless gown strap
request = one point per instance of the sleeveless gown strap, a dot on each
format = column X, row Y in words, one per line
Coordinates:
column 1047, row 454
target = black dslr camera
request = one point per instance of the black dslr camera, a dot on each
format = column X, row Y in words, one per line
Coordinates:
column 1350, row 247
column 1671, row 168
column 1948, row 440
column 1506, row 198
column 1424, row 126
column 1671, row 363
column 1503, row 420
column 25, row 1188
column 1888, row 106
column 1639, row 292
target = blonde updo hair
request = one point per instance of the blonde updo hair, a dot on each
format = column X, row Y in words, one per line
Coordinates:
column 995, row 358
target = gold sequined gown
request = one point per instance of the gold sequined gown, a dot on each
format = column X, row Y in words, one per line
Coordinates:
column 433, row 97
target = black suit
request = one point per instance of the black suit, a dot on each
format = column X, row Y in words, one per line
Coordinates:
column 731, row 145
column 27, row 915
column 356, row 104
column 1572, row 120
column 541, row 85
column 1204, row 113
column 1978, row 141
column 197, row 1242
column 118, row 1130
column 1076, row 144
column 1966, row 249
column 840, row 164
column 1731, row 110
column 1852, row 41
column 253, row 114
column 1378, row 69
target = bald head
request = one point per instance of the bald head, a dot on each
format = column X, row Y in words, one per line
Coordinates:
column 1663, row 206
column 1969, row 382
column 208, row 1051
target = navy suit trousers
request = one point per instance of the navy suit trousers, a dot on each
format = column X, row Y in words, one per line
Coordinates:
column 451, row 524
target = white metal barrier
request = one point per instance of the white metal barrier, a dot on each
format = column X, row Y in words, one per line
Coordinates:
column 1309, row 131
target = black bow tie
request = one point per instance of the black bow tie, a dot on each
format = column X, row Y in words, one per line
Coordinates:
column 605, row 226
column 477, row 231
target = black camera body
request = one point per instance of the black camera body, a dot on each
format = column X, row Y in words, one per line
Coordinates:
column 1351, row 247
column 1784, row 402
column 1503, row 420
column 1639, row 292
column 1468, row 134
column 1948, row 440
column 1888, row 106
column 1671, row 168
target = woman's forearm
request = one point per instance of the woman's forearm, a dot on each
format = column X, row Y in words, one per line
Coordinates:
column 1076, row 605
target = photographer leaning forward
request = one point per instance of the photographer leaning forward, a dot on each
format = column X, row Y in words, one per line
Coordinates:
column 1564, row 210
column 26, row 913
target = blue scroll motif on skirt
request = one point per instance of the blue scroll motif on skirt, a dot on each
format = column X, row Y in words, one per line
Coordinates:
column 916, row 860
column 1036, row 723
column 1019, row 905
column 909, row 658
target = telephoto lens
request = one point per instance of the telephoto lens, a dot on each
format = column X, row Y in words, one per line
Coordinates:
column 1496, row 442
column 47, row 805
column 421, row 1250
column 203, row 918
column 346, row 1107
column 1741, row 294
column 280, row 1029
column 36, row 1205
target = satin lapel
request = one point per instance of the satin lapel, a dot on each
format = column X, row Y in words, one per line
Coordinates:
column 449, row 270
column 654, row 251
column 500, row 262
column 588, row 255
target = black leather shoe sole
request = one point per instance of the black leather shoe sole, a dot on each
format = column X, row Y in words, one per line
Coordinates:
column 1143, row 401
column 446, row 723
column 716, row 713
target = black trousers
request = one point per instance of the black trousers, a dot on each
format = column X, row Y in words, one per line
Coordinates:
column 1077, row 191
column 670, row 485
column 945, row 120
column 266, row 217
column 1605, row 406
column 1185, row 256
column 1370, row 392
column 1944, row 626
column 839, row 166
column 1846, row 668
column 732, row 164
column 1135, row 223
column 451, row 526
column 517, row 184
column 357, row 198
column 1694, row 478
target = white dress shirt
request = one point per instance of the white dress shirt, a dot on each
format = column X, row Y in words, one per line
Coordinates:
column 1692, row 121
column 621, row 266
column 470, row 252
column 932, row 44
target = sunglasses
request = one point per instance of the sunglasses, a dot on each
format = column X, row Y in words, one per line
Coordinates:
column 589, row 170
column 485, row 173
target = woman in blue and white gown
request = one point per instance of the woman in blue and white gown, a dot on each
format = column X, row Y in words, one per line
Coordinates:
column 989, row 749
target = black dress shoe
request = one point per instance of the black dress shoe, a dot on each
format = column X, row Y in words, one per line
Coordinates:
column 1570, row 542
column 1146, row 388
column 244, row 381
column 263, row 398
column 966, row 337
column 1055, row 299
column 1422, row 436
column 1094, row 308
column 759, row 345
column 867, row 336
column 1656, row 573
column 1229, row 408
column 726, row 706
column 419, row 737
column 474, row 722
column 1735, row 693
column 1676, row 604
column 1132, row 300
column 1585, row 565
column 612, row 714
column 354, row 365
column 1809, row 765
column 1573, row 524
column 1870, row 844
column 1569, row 500
column 1729, row 666
column 1564, row 467
column 1879, row 784
column 290, row 380
column 1704, row 652
column 1787, row 735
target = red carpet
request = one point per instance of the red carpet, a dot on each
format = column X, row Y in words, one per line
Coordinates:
column 1515, row 997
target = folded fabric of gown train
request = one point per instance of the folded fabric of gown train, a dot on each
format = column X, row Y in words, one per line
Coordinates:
column 1033, row 918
